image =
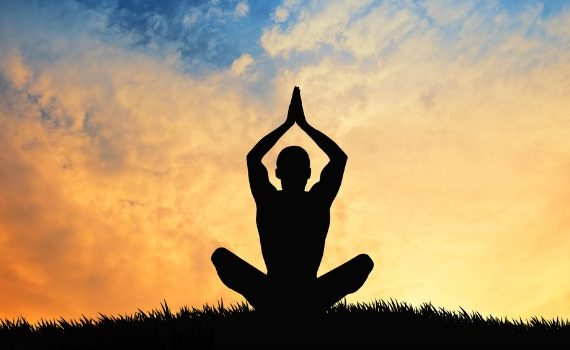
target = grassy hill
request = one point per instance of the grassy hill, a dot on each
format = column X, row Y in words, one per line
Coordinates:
column 378, row 324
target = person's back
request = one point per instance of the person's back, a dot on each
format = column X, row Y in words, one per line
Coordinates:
column 292, row 230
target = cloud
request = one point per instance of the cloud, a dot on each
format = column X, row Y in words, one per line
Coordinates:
column 242, row 8
column 448, row 11
column 241, row 64
column 282, row 12
column 15, row 69
column 317, row 26
column 192, row 17
column 197, row 36
column 558, row 26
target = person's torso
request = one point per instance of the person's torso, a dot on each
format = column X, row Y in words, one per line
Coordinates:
column 292, row 230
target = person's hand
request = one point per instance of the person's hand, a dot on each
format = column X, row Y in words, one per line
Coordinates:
column 297, row 106
column 291, row 113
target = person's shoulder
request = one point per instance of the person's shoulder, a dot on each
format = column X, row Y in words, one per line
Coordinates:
column 314, row 194
column 319, row 198
column 271, row 196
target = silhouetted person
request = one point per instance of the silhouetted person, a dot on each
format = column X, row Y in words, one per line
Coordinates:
column 293, row 226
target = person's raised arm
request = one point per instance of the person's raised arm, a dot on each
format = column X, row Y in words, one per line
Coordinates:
column 258, row 176
column 331, row 176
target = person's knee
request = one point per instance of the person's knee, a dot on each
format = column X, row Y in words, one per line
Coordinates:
column 218, row 255
column 365, row 262
column 362, row 267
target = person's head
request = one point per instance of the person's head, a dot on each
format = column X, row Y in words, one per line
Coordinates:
column 293, row 168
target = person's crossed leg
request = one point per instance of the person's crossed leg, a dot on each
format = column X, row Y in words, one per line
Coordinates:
column 257, row 289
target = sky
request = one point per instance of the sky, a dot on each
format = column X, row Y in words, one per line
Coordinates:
column 124, row 127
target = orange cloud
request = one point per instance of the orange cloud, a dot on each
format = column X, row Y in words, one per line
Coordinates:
column 112, row 182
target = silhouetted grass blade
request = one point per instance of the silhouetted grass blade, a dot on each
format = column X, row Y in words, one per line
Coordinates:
column 376, row 324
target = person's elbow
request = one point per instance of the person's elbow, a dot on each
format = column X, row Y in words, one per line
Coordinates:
column 339, row 160
column 342, row 157
column 252, row 158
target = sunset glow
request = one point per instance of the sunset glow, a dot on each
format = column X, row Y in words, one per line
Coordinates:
column 124, row 129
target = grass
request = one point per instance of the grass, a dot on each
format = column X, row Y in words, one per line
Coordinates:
column 378, row 324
